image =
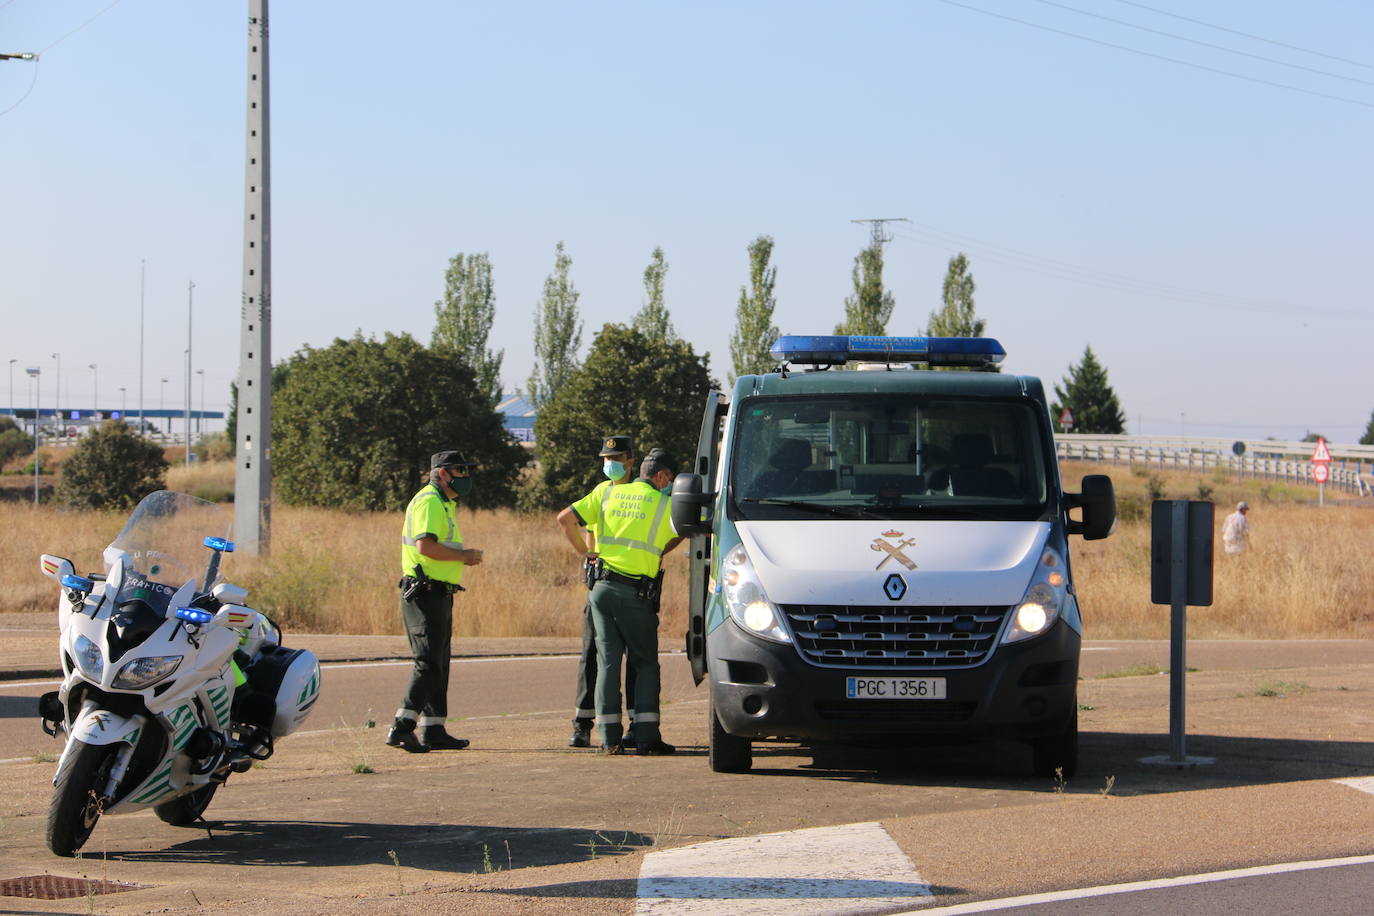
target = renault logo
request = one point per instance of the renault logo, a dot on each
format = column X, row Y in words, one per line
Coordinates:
column 894, row 587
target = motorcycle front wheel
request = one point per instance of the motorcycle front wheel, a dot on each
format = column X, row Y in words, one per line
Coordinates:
column 186, row 809
column 77, row 799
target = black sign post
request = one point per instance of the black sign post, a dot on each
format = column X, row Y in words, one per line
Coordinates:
column 1180, row 575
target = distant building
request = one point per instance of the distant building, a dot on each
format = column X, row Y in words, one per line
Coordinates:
column 518, row 416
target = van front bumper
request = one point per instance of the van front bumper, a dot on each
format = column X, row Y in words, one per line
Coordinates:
column 762, row 689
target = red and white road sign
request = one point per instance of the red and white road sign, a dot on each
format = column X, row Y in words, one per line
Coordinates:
column 1321, row 454
column 1321, row 472
column 1066, row 418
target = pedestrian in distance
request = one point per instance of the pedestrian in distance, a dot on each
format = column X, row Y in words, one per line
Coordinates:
column 633, row 531
column 1235, row 532
column 617, row 464
column 432, row 561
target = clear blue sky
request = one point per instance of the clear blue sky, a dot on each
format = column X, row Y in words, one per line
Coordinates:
column 1209, row 236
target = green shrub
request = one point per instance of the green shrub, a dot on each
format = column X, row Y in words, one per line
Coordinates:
column 1154, row 487
column 214, row 447
column 13, row 442
column 1205, row 490
column 214, row 493
column 111, row 469
column 1131, row 508
column 294, row 587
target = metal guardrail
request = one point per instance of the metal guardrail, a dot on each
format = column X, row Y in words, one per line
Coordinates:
column 1265, row 459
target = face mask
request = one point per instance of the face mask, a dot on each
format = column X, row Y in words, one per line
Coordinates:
column 614, row 470
column 666, row 491
column 462, row 486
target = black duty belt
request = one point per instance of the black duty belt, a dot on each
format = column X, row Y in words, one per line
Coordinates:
column 612, row 575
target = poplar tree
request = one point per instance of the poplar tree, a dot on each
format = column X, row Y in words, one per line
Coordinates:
column 1089, row 398
column 957, row 316
column 463, row 318
column 557, row 332
column 1368, row 437
column 652, row 320
column 869, row 308
column 755, row 332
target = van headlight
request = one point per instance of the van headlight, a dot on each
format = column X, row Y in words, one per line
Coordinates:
column 88, row 658
column 145, row 672
column 746, row 600
column 1039, row 608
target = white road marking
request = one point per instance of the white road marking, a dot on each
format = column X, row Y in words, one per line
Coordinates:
column 1007, row 903
column 1363, row 783
column 852, row 868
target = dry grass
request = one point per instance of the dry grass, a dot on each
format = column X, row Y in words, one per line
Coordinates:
column 1307, row 575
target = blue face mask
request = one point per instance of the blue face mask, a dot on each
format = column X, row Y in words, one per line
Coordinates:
column 667, row 491
column 614, row 470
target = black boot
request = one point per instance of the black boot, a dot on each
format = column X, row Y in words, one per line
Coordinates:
column 403, row 735
column 581, row 733
column 659, row 748
column 437, row 739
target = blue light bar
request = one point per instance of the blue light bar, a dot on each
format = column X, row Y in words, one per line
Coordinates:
column 80, row 583
column 221, row 544
column 937, row 351
column 194, row 615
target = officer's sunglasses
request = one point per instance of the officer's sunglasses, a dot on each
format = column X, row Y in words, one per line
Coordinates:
column 458, row 470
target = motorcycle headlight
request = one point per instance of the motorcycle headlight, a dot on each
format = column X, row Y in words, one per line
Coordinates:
column 88, row 658
column 145, row 672
column 1039, row 608
column 746, row 600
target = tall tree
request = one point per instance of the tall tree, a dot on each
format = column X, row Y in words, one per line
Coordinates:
column 754, row 328
column 645, row 387
column 869, row 308
column 1089, row 398
column 557, row 332
column 653, row 319
column 1368, row 437
column 356, row 422
column 957, row 316
column 463, row 318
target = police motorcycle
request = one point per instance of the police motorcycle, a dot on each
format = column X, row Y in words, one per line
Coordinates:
column 171, row 683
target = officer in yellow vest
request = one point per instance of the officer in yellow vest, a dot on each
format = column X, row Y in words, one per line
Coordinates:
column 633, row 532
column 617, row 464
column 432, row 561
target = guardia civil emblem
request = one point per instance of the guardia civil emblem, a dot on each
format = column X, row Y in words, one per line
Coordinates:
column 893, row 551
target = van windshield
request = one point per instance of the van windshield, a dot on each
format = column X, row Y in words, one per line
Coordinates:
column 889, row 456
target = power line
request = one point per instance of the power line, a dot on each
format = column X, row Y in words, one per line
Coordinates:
column 1172, row 60
column 878, row 238
column 1204, row 44
column 1270, row 41
column 33, row 82
column 80, row 27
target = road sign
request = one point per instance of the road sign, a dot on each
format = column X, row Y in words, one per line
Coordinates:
column 1066, row 418
column 1321, row 473
column 1320, row 453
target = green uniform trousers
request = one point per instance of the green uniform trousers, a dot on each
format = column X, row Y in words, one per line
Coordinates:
column 429, row 624
column 625, row 625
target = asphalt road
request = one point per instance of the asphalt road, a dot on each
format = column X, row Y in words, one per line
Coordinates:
column 521, row 823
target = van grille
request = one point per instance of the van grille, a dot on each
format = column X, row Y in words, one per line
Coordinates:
column 834, row 636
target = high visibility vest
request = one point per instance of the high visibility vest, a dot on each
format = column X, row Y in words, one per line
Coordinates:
column 430, row 512
column 631, row 524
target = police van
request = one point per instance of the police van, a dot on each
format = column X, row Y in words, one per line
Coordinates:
column 882, row 556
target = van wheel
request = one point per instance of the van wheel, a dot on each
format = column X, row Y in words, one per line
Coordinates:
column 1058, row 752
column 728, row 753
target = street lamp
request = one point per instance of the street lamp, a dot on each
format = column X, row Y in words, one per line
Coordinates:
column 200, row 419
column 57, row 392
column 34, row 372
column 123, row 403
column 162, row 401
column 95, row 390
column 12, row 362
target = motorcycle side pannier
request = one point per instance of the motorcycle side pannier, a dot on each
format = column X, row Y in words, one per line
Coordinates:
column 283, row 685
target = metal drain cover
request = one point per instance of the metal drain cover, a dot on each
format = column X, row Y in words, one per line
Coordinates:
column 58, row 887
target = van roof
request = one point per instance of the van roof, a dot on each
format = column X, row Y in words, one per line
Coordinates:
column 914, row 381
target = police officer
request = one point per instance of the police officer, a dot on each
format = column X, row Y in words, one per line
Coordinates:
column 617, row 464
column 432, row 561
column 633, row 532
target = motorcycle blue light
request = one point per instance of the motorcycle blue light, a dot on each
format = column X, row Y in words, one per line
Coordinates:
column 194, row 615
column 223, row 545
column 80, row 583
column 840, row 349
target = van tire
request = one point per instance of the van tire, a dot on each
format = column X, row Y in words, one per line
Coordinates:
column 1057, row 752
column 728, row 753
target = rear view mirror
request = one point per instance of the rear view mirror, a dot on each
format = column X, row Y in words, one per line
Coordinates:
column 691, row 508
column 1098, row 501
column 56, row 567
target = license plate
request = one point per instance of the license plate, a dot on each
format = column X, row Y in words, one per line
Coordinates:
column 895, row 688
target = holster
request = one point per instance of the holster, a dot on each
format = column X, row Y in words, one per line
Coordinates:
column 591, row 571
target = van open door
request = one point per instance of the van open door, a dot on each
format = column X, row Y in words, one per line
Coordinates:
column 705, row 475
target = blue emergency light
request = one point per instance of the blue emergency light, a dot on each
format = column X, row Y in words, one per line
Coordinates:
column 223, row 545
column 937, row 351
column 194, row 615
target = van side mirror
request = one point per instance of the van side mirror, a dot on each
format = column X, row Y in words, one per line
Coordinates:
column 691, row 508
column 1098, row 501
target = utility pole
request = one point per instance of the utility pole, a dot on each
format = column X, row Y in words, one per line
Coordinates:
column 877, row 238
column 142, row 288
column 190, row 289
column 253, row 474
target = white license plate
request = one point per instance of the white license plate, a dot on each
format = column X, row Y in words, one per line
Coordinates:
column 895, row 688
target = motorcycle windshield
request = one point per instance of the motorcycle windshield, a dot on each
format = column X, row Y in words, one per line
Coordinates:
column 163, row 544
